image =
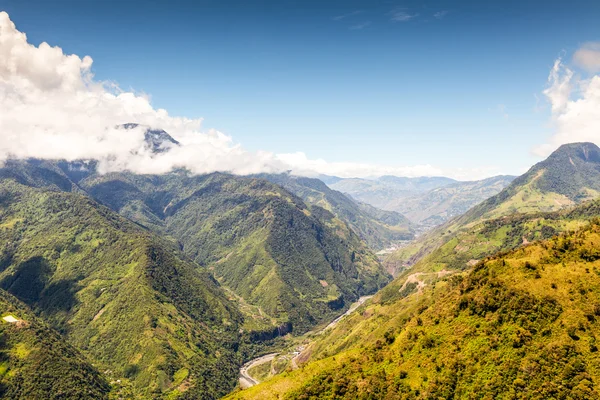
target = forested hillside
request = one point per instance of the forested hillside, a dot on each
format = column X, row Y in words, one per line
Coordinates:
column 300, row 265
column 379, row 228
column 37, row 364
column 127, row 299
column 519, row 324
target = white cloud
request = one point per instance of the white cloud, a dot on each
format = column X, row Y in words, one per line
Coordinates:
column 588, row 57
column 440, row 14
column 51, row 107
column 300, row 164
column 360, row 26
column 344, row 16
column 402, row 15
column 575, row 104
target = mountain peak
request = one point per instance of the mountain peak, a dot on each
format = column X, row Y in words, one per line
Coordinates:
column 157, row 140
column 585, row 151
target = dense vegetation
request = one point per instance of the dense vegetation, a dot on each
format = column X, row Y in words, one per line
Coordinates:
column 36, row 363
column 521, row 324
column 377, row 227
column 128, row 300
column 297, row 264
column 228, row 224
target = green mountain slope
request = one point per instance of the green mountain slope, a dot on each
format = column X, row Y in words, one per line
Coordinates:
column 377, row 227
column 127, row 299
column 520, row 324
column 36, row 363
column 299, row 265
column 569, row 176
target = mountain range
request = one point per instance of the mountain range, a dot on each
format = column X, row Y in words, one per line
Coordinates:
column 503, row 303
column 377, row 227
column 121, row 285
column 424, row 201
column 166, row 283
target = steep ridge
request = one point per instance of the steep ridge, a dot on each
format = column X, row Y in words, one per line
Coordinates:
column 519, row 324
column 377, row 227
column 130, row 301
column 281, row 278
column 36, row 363
column 299, row 265
column 568, row 176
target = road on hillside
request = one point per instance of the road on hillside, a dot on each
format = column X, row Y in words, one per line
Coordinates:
column 246, row 380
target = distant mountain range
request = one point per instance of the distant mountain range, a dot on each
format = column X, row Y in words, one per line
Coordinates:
column 428, row 201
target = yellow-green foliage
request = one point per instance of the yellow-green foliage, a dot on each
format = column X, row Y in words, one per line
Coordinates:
column 257, row 239
column 36, row 363
column 457, row 248
column 127, row 299
column 522, row 324
column 569, row 176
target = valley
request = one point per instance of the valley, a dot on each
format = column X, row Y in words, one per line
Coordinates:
column 248, row 287
column 364, row 200
column 289, row 358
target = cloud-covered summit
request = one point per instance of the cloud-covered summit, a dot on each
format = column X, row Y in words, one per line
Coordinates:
column 53, row 108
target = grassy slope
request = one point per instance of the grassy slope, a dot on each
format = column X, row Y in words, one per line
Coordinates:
column 36, row 363
column 465, row 247
column 121, row 295
column 297, row 264
column 521, row 324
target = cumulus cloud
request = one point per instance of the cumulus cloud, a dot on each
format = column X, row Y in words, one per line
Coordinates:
column 588, row 57
column 575, row 105
column 53, row 108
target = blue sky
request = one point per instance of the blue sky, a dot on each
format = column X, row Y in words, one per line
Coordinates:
column 446, row 83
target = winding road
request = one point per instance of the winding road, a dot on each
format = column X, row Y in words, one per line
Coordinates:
column 247, row 381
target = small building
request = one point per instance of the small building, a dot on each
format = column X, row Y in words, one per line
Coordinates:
column 10, row 319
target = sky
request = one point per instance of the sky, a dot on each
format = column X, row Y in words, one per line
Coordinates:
column 466, row 89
